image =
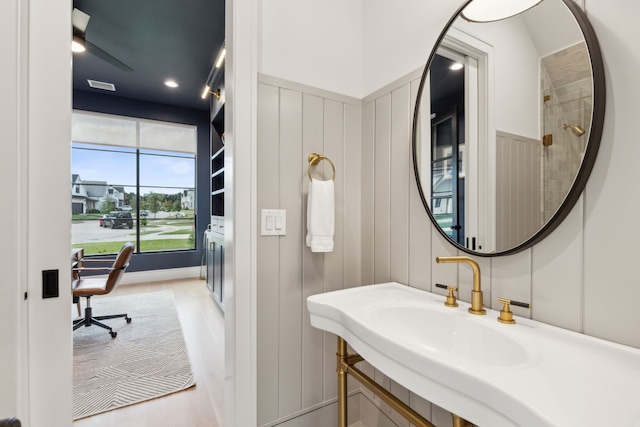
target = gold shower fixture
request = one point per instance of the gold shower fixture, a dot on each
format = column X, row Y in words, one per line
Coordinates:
column 576, row 129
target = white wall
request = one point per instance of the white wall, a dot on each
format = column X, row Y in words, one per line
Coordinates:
column 552, row 15
column 12, row 309
column 516, row 106
column 36, row 126
column 318, row 43
column 241, row 29
column 398, row 37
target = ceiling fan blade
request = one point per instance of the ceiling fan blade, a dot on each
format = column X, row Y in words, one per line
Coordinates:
column 80, row 20
column 95, row 50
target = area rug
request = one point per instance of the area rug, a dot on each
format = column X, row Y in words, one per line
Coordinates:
column 147, row 359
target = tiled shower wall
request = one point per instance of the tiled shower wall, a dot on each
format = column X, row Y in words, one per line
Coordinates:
column 566, row 81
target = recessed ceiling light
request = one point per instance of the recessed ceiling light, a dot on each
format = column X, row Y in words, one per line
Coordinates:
column 171, row 83
column 455, row 66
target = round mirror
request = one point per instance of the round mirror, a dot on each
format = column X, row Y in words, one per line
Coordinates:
column 507, row 126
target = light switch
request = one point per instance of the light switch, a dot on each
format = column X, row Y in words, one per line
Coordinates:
column 274, row 222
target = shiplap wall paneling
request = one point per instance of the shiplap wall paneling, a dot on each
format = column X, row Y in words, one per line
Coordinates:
column 612, row 205
column 503, row 190
column 419, row 244
column 556, row 290
column 400, row 172
column 390, row 131
column 292, row 177
column 368, row 203
column 420, row 227
column 312, row 263
column 296, row 362
column 268, row 262
column 381, row 179
column 518, row 189
column 511, row 279
column 400, row 161
column 352, row 210
column 333, row 263
column 352, row 184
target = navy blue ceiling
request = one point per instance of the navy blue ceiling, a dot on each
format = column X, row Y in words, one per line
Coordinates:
column 159, row 39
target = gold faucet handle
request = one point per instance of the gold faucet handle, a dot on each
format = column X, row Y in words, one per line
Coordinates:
column 506, row 315
column 450, row 301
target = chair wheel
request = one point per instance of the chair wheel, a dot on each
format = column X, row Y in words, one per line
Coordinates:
column 113, row 334
column 128, row 319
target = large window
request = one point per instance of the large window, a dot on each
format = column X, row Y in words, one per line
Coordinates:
column 132, row 180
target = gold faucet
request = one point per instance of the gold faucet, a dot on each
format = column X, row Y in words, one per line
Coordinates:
column 476, row 293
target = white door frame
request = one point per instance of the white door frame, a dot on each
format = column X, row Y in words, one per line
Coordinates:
column 240, row 213
column 479, row 110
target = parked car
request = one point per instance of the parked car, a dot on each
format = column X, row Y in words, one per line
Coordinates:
column 107, row 219
column 144, row 213
column 118, row 219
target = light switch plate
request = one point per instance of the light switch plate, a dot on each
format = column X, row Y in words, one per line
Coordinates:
column 274, row 222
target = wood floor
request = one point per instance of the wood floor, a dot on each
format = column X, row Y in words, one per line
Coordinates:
column 203, row 328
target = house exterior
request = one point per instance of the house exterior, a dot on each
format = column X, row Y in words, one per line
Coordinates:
column 91, row 195
column 187, row 199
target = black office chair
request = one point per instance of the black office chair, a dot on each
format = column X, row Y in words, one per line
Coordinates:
column 90, row 286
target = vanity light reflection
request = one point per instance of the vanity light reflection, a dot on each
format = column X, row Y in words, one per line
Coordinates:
column 495, row 10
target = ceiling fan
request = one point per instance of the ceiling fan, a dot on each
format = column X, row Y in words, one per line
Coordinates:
column 80, row 20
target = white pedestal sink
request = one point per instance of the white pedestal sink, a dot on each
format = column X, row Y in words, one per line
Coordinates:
column 492, row 374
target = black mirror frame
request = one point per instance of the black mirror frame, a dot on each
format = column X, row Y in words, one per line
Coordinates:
column 591, row 152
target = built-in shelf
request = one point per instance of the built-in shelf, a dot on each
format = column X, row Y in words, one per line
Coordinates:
column 217, row 183
column 214, row 246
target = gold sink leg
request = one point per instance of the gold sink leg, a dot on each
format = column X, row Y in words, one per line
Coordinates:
column 460, row 422
column 346, row 366
column 341, row 356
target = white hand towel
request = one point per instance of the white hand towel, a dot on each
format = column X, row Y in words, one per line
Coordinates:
column 320, row 216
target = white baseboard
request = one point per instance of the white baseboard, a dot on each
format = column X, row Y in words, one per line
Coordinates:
column 134, row 277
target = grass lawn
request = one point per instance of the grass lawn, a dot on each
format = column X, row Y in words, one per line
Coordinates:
column 147, row 245
column 174, row 222
column 179, row 231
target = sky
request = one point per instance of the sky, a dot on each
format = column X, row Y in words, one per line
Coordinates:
column 118, row 168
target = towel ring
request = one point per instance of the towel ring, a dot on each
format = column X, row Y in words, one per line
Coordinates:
column 314, row 159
